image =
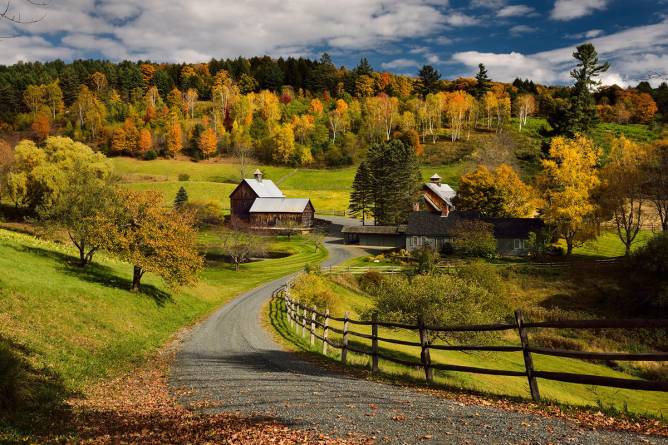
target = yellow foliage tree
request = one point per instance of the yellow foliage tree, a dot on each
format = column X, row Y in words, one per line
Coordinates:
column 174, row 138
column 568, row 182
column 208, row 143
column 284, row 144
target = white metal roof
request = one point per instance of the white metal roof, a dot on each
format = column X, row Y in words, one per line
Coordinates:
column 265, row 188
column 279, row 205
column 444, row 191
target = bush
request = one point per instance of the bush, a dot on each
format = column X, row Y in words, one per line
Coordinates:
column 475, row 239
column 370, row 279
column 150, row 155
column 206, row 213
column 184, row 177
column 311, row 289
column 439, row 300
column 426, row 259
column 653, row 259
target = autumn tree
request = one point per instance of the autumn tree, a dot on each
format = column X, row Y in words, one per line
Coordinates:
column 458, row 106
column 208, row 143
column 568, row 182
column 154, row 239
column 283, row 141
column 656, row 180
column 623, row 193
column 526, row 106
column 338, row 118
column 190, row 99
column 145, row 143
column 41, row 125
column 174, row 143
column 497, row 193
column 34, row 99
column 99, row 81
column 53, row 96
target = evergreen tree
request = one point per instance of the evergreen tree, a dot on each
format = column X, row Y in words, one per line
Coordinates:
column 181, row 198
column 361, row 196
column 483, row 83
column 395, row 181
column 428, row 78
column 582, row 115
column 363, row 68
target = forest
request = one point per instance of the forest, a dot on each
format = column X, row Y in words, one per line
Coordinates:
column 290, row 111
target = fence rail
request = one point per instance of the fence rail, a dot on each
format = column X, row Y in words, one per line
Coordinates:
column 317, row 325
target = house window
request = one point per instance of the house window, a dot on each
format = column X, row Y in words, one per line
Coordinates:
column 518, row 244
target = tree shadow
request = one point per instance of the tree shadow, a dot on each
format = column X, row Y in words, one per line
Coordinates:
column 96, row 273
column 32, row 399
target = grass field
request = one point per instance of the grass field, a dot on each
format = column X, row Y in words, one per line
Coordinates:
column 608, row 245
column 638, row 402
column 71, row 327
column 328, row 189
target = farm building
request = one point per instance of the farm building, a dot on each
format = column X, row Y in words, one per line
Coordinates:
column 437, row 197
column 512, row 234
column 259, row 203
column 377, row 236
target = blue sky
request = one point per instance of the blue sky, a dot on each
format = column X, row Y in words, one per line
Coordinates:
column 514, row 38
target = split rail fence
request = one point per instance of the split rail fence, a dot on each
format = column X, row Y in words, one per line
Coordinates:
column 316, row 325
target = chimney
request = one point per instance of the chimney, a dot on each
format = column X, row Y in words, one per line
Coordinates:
column 258, row 175
column 435, row 179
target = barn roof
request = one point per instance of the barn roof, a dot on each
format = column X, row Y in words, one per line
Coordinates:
column 279, row 205
column 377, row 230
column 443, row 191
column 264, row 188
column 429, row 224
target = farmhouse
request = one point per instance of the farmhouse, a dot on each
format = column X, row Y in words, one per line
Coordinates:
column 259, row 203
column 512, row 234
column 437, row 197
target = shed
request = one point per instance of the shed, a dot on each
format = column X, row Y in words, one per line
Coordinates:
column 377, row 236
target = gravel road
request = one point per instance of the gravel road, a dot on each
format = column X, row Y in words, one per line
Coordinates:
column 230, row 359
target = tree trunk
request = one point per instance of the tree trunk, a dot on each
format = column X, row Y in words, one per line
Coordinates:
column 137, row 273
column 569, row 247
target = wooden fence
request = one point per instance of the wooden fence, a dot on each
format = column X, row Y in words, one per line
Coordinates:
column 317, row 325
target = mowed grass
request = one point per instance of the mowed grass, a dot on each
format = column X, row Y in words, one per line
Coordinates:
column 328, row 189
column 82, row 325
column 608, row 244
column 638, row 402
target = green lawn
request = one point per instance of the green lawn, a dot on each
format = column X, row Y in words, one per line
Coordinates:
column 328, row 189
column 608, row 244
column 72, row 327
column 638, row 402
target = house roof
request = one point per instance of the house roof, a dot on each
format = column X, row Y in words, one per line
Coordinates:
column 264, row 188
column 429, row 224
column 377, row 230
column 279, row 205
column 443, row 191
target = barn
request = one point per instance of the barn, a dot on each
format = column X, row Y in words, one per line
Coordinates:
column 259, row 203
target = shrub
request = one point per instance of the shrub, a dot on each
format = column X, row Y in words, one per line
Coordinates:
column 184, row 177
column 370, row 279
column 475, row 239
column 311, row 289
column 150, row 155
column 426, row 259
column 653, row 258
column 207, row 213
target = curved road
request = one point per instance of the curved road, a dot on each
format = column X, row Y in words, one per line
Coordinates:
column 229, row 358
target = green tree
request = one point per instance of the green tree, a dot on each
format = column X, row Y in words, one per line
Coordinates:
column 181, row 198
column 395, row 181
column 483, row 83
column 428, row 79
column 583, row 106
column 361, row 197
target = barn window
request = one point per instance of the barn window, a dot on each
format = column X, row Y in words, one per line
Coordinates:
column 518, row 244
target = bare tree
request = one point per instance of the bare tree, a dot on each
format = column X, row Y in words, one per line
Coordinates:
column 241, row 246
column 14, row 14
column 316, row 238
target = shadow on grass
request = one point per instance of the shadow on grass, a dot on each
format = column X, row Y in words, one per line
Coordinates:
column 97, row 274
column 32, row 400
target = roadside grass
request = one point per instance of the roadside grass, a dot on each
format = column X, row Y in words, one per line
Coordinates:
column 651, row 404
column 64, row 329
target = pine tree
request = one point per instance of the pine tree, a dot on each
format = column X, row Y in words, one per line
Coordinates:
column 582, row 115
column 483, row 83
column 361, row 196
column 363, row 68
column 428, row 78
column 181, row 198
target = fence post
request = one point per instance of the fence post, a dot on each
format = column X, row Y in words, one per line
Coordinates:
column 374, row 342
column 304, row 321
column 528, row 361
column 313, row 325
column 344, row 349
column 425, row 355
column 325, row 333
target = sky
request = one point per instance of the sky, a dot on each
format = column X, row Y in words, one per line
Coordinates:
column 513, row 38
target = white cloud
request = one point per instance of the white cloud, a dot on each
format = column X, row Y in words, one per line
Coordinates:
column 633, row 54
column 522, row 29
column 400, row 63
column 196, row 30
column 587, row 34
column 515, row 11
column 573, row 9
column 490, row 4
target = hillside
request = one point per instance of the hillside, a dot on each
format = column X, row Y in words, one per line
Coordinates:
column 65, row 328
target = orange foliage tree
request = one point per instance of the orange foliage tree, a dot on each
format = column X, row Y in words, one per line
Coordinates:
column 207, row 142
